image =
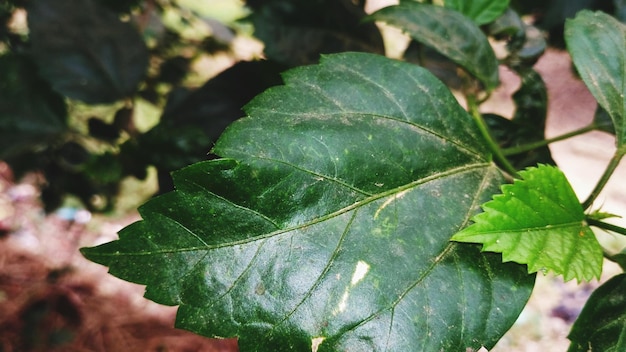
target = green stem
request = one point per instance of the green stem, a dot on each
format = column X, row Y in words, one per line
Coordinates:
column 484, row 131
column 605, row 177
column 606, row 226
column 526, row 147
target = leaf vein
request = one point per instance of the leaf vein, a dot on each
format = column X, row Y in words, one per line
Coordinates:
column 446, row 250
column 319, row 279
column 460, row 146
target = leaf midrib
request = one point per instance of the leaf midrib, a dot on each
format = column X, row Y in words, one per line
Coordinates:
column 438, row 259
column 459, row 144
column 550, row 227
column 358, row 204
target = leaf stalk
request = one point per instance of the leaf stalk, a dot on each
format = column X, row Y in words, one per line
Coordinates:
column 530, row 146
column 606, row 226
column 484, row 131
column 617, row 157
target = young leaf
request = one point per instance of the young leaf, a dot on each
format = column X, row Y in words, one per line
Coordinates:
column 482, row 11
column 538, row 221
column 597, row 43
column 447, row 31
column 600, row 326
column 328, row 222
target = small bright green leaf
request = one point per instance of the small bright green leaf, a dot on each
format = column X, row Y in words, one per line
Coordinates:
column 601, row 325
column 600, row 215
column 328, row 222
column 449, row 32
column 85, row 51
column 597, row 43
column 481, row 11
column 538, row 221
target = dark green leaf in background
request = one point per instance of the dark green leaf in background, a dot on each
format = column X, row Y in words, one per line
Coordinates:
column 194, row 119
column 296, row 32
column 602, row 121
column 447, row 31
column 601, row 325
column 538, row 221
column 509, row 24
column 550, row 16
column 619, row 259
column 534, row 46
column 528, row 122
column 327, row 225
column 620, row 10
column 31, row 114
column 525, row 43
column 597, row 43
column 481, row 11
column 85, row 51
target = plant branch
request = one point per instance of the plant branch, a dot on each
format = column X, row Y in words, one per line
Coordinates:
column 484, row 131
column 605, row 178
column 606, row 226
column 530, row 146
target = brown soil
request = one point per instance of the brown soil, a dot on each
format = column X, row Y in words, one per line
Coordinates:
column 52, row 299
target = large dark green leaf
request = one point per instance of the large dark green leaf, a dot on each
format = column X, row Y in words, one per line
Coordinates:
column 481, row 11
column 447, row 31
column 31, row 114
column 601, row 325
column 597, row 43
column 327, row 225
column 85, row 51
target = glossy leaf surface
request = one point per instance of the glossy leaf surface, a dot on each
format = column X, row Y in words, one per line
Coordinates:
column 327, row 224
column 481, row 11
column 447, row 31
column 85, row 51
column 601, row 325
column 597, row 43
column 538, row 221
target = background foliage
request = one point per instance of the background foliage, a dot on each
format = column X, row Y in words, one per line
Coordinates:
column 111, row 85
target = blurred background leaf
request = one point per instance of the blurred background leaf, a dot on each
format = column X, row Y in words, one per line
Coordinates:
column 85, row 51
column 31, row 114
column 296, row 32
column 481, row 11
